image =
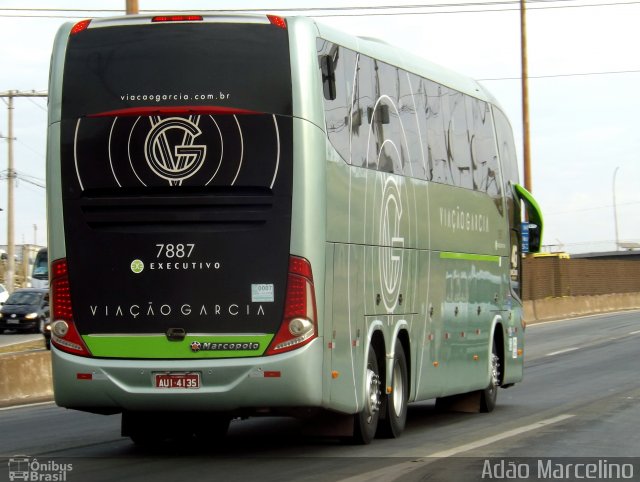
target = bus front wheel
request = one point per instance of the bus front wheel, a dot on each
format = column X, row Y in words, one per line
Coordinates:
column 489, row 395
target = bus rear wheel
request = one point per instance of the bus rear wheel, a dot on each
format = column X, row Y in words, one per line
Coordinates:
column 394, row 411
column 366, row 422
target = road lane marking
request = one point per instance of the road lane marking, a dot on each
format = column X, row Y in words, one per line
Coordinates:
column 537, row 324
column 398, row 471
column 560, row 352
column 635, row 332
column 496, row 438
column 28, row 405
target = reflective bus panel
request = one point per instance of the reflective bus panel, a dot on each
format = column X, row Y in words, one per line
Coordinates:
column 263, row 214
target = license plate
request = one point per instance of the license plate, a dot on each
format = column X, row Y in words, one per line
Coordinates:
column 13, row 322
column 189, row 381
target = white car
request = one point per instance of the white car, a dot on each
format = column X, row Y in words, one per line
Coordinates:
column 4, row 294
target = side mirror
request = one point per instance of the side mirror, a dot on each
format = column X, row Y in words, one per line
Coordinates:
column 328, row 77
column 535, row 226
column 535, row 236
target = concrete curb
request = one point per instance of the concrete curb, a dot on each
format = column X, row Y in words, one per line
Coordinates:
column 571, row 306
column 25, row 378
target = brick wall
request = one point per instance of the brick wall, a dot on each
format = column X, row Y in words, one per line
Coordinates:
column 554, row 277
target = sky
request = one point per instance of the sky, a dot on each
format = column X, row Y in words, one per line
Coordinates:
column 584, row 73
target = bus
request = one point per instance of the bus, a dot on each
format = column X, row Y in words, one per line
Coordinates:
column 258, row 215
column 40, row 271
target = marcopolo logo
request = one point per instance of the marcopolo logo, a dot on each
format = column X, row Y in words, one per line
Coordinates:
column 197, row 346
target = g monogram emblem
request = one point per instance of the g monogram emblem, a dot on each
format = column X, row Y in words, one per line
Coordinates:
column 392, row 244
column 185, row 159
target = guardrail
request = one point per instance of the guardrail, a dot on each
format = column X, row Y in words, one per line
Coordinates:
column 25, row 378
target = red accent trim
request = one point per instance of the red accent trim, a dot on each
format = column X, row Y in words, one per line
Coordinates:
column 272, row 374
column 178, row 110
column 84, row 376
column 177, row 18
column 277, row 21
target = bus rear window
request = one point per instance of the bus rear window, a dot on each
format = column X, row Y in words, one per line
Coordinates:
column 239, row 66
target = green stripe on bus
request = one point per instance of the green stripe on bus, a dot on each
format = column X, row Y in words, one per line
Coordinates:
column 470, row 257
column 158, row 346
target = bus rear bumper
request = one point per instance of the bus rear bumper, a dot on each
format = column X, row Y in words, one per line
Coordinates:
column 291, row 379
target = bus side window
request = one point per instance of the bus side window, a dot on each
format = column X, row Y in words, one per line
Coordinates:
column 364, row 97
column 435, row 120
column 459, row 151
column 509, row 167
column 484, row 158
column 337, row 66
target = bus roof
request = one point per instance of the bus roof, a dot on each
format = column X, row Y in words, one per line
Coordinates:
column 370, row 46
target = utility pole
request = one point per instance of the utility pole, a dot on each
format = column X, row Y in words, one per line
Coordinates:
column 615, row 208
column 525, row 98
column 11, row 262
column 132, row 7
column 11, row 175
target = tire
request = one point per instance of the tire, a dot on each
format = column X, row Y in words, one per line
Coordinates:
column 489, row 395
column 394, row 407
column 151, row 430
column 366, row 421
column 39, row 327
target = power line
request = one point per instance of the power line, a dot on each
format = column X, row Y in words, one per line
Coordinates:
column 24, row 177
column 594, row 208
column 39, row 154
column 39, row 106
column 324, row 9
column 390, row 10
column 575, row 74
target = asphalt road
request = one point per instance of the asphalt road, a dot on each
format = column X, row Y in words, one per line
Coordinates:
column 580, row 398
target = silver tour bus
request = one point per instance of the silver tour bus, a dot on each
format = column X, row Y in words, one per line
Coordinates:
column 263, row 215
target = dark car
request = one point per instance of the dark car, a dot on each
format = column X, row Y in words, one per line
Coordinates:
column 26, row 309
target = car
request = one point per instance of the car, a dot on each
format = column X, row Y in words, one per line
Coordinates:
column 4, row 294
column 26, row 309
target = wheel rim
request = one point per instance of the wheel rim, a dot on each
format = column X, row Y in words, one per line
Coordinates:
column 495, row 372
column 373, row 394
column 398, row 389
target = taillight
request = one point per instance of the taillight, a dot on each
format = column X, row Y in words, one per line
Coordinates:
column 64, row 334
column 299, row 325
column 177, row 18
column 277, row 21
column 80, row 26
